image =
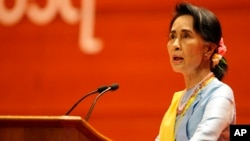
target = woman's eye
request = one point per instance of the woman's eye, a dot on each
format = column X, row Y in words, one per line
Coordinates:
column 171, row 36
column 186, row 35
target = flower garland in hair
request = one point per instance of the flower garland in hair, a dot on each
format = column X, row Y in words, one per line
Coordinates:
column 221, row 52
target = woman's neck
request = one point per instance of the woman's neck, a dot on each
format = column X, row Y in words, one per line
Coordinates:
column 194, row 78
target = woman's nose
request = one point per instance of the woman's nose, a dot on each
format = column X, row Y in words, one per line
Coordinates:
column 176, row 44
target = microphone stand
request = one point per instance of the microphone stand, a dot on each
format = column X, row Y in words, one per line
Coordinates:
column 94, row 102
column 99, row 90
column 79, row 102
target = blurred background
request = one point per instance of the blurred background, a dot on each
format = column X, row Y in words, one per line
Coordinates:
column 52, row 52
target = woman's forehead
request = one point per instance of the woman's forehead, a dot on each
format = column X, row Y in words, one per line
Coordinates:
column 184, row 22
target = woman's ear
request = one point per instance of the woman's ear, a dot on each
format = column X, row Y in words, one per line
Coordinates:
column 209, row 50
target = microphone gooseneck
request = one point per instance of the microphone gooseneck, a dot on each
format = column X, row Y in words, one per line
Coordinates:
column 98, row 90
column 113, row 87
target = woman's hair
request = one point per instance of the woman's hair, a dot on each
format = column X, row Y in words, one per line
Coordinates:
column 208, row 26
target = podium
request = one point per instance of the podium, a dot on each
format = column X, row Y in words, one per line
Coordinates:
column 47, row 128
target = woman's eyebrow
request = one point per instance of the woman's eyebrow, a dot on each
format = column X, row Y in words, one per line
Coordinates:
column 186, row 30
column 183, row 30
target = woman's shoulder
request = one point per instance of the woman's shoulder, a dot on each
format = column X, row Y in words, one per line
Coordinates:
column 218, row 88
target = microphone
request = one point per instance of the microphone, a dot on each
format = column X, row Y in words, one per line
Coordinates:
column 98, row 90
column 113, row 87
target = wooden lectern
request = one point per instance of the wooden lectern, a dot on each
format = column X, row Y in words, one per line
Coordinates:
column 47, row 128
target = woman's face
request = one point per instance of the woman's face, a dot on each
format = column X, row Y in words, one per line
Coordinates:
column 185, row 46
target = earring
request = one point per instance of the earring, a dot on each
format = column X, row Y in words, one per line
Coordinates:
column 206, row 57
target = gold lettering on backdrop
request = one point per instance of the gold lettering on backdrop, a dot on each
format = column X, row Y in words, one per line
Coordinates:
column 42, row 16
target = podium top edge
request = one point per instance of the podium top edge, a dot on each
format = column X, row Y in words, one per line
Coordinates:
column 64, row 121
column 38, row 117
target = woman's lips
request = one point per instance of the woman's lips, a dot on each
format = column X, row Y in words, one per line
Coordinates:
column 177, row 59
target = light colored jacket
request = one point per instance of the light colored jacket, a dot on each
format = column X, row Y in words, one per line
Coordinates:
column 209, row 117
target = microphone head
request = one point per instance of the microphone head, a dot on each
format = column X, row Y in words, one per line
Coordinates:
column 102, row 88
column 114, row 86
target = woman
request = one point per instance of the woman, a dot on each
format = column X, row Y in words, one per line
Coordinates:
column 206, row 108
